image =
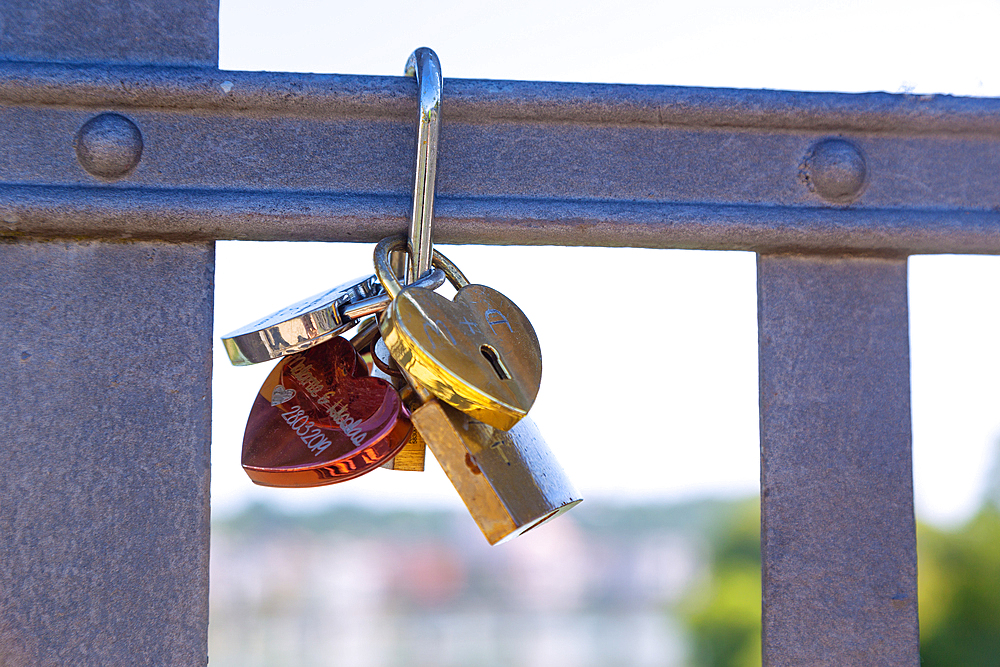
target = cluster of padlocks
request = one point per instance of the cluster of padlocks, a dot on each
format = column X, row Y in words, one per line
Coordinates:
column 457, row 376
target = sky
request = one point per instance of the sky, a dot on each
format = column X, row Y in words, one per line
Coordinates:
column 657, row 400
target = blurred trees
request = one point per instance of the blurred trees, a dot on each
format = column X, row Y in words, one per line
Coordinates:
column 959, row 593
column 723, row 613
column 627, row 561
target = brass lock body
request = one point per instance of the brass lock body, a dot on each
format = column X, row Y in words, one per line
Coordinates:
column 478, row 352
column 411, row 456
column 509, row 480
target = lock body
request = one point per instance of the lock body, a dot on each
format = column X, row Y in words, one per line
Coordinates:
column 509, row 480
column 312, row 321
column 319, row 418
column 477, row 352
column 411, row 456
column 299, row 326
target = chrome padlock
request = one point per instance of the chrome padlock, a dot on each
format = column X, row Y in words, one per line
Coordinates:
column 312, row 321
column 509, row 480
column 478, row 352
column 424, row 66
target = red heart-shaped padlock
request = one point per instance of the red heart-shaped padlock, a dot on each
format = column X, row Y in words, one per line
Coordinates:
column 319, row 419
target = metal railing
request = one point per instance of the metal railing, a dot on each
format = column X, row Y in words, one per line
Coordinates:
column 126, row 154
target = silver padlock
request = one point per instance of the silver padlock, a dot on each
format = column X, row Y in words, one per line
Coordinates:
column 312, row 321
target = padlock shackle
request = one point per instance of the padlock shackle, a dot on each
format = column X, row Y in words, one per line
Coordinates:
column 423, row 64
column 383, row 267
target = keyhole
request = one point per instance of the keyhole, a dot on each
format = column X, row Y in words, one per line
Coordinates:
column 494, row 359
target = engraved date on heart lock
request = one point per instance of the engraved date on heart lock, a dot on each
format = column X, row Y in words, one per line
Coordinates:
column 319, row 419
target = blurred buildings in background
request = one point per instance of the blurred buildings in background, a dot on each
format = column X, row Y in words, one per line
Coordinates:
column 653, row 585
column 598, row 586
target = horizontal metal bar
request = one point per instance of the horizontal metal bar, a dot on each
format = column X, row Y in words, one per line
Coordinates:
column 278, row 156
column 201, row 215
column 336, row 95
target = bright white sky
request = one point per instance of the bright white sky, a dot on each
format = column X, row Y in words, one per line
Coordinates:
column 658, row 398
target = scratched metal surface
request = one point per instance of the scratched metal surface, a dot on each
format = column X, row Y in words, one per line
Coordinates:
column 104, row 468
column 184, row 32
column 838, row 538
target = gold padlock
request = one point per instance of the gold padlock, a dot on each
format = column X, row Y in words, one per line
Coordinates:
column 478, row 352
column 509, row 480
column 411, row 456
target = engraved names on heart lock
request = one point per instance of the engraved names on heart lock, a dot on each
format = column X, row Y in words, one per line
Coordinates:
column 331, row 422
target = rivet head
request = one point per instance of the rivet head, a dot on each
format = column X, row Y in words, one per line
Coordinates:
column 835, row 169
column 109, row 145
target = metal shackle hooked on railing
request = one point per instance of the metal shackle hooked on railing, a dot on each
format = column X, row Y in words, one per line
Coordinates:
column 423, row 64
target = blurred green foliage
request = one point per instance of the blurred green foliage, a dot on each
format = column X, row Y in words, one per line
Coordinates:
column 959, row 593
column 723, row 613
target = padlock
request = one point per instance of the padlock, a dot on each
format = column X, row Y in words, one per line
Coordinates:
column 311, row 321
column 424, row 66
column 411, row 457
column 363, row 340
column 319, row 419
column 509, row 480
column 478, row 353
column 299, row 326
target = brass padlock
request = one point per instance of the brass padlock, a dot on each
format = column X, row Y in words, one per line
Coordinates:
column 411, row 456
column 509, row 480
column 477, row 352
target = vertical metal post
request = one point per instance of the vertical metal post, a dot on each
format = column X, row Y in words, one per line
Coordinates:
column 105, row 430
column 838, row 538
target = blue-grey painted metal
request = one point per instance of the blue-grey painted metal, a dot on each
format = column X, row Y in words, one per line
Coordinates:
column 116, row 126
column 270, row 156
column 838, row 537
column 104, row 468
column 169, row 32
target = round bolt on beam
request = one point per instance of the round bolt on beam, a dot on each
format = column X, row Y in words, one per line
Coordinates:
column 835, row 170
column 109, row 145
